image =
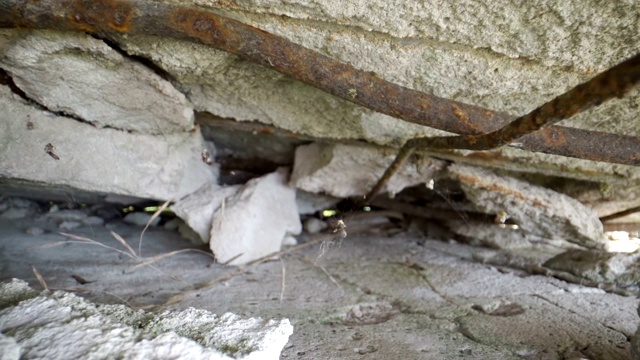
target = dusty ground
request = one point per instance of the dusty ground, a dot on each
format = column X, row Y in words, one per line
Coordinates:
column 371, row 296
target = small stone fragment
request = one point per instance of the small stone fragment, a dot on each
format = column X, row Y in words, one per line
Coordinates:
column 314, row 225
column 69, row 225
column 35, row 231
column 93, row 221
column 141, row 219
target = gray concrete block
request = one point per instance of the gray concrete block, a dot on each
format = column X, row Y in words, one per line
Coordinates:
column 350, row 170
column 102, row 160
column 78, row 75
column 536, row 210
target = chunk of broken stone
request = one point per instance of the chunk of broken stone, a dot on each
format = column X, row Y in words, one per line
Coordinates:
column 106, row 160
column 489, row 234
column 197, row 208
column 43, row 325
column 256, row 220
column 76, row 74
column 344, row 170
column 536, row 210
column 597, row 266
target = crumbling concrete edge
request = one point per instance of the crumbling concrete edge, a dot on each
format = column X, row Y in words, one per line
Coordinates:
column 42, row 325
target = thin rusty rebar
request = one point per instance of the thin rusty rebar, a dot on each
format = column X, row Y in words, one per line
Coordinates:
column 614, row 82
column 138, row 17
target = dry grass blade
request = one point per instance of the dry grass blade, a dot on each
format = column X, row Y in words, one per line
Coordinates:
column 40, row 278
column 124, row 243
column 153, row 217
column 84, row 240
column 53, row 244
column 77, row 237
column 165, row 255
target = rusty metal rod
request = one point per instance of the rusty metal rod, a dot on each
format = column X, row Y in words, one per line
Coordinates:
column 139, row 17
column 614, row 82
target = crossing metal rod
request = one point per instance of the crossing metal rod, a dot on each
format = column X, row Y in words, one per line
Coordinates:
column 614, row 82
column 106, row 18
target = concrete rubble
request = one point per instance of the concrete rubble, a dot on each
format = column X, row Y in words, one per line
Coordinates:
column 88, row 121
column 197, row 208
column 347, row 170
column 536, row 210
column 82, row 77
column 243, row 223
column 44, row 325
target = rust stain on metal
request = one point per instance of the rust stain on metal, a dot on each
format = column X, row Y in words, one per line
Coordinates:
column 464, row 117
column 198, row 24
column 553, row 137
column 91, row 16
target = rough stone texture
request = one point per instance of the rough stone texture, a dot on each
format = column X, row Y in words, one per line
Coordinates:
column 491, row 235
column 537, row 210
column 197, row 208
column 78, row 75
column 256, row 220
column 10, row 348
column 105, row 160
column 45, row 325
column 348, row 170
column 602, row 267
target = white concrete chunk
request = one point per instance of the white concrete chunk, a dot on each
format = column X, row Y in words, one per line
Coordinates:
column 256, row 220
column 104, row 160
column 197, row 209
column 536, row 210
column 350, row 170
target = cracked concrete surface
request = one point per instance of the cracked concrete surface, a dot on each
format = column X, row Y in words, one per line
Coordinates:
column 369, row 296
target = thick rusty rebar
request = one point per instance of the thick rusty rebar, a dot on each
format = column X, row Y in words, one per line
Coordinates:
column 614, row 82
column 139, row 17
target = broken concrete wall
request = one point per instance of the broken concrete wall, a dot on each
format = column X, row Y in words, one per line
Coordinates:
column 83, row 116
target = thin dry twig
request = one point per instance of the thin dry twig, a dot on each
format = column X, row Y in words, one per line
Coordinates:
column 153, row 217
column 124, row 243
column 40, row 278
column 157, row 258
column 87, row 241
